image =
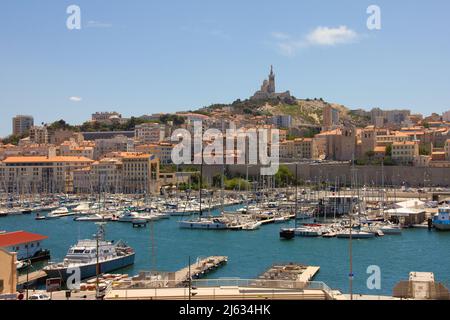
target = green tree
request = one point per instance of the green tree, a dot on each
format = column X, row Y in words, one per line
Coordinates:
column 237, row 184
column 425, row 150
column 284, row 176
column 388, row 151
column 14, row 139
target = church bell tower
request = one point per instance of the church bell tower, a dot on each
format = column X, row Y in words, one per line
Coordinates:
column 271, row 88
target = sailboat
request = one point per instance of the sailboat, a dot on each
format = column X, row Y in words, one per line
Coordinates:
column 289, row 233
column 206, row 223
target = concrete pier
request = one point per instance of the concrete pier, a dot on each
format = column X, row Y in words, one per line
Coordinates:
column 200, row 268
column 292, row 272
column 32, row 277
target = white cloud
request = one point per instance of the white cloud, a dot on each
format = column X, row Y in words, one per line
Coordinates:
column 321, row 36
column 324, row 36
column 75, row 99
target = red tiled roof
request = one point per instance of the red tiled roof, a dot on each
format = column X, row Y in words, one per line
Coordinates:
column 19, row 237
column 35, row 159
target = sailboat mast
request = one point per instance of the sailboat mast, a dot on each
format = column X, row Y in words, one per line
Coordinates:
column 97, row 269
column 200, row 189
column 296, row 194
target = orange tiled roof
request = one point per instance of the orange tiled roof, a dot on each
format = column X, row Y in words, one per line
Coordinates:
column 398, row 143
column 134, row 155
column 44, row 159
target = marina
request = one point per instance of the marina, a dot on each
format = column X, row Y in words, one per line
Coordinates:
column 251, row 253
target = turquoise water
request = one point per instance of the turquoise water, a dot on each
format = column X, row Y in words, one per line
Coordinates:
column 252, row 252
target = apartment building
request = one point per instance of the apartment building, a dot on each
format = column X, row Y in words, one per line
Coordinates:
column 21, row 124
column 105, row 116
column 163, row 151
column 40, row 174
column 72, row 149
column 140, row 173
column 300, row 148
column 330, row 118
column 120, row 172
column 39, row 134
column 282, row 121
column 381, row 118
column 149, row 132
column 119, row 143
column 104, row 175
column 388, row 139
column 405, row 152
column 24, row 150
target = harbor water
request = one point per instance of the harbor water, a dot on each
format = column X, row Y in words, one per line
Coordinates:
column 164, row 246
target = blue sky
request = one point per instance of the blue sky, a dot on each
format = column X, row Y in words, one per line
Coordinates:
column 141, row 57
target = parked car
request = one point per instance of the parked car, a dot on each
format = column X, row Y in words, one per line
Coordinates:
column 39, row 296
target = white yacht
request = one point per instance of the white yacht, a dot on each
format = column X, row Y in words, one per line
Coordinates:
column 204, row 223
column 82, row 207
column 391, row 229
column 59, row 213
column 93, row 218
column 129, row 216
column 356, row 234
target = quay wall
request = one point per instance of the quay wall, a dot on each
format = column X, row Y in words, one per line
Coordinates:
column 365, row 175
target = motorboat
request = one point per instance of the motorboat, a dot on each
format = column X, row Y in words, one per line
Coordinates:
column 129, row 216
column 250, row 226
column 93, row 218
column 391, row 229
column 441, row 221
column 204, row 223
column 356, row 234
column 82, row 207
column 85, row 257
column 59, row 213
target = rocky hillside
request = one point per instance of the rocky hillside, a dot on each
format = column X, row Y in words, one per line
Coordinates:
column 307, row 112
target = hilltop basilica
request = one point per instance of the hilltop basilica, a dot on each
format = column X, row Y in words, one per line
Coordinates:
column 267, row 90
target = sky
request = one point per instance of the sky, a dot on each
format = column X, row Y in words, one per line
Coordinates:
column 142, row 57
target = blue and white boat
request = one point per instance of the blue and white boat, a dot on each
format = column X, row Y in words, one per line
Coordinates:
column 83, row 256
column 441, row 221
